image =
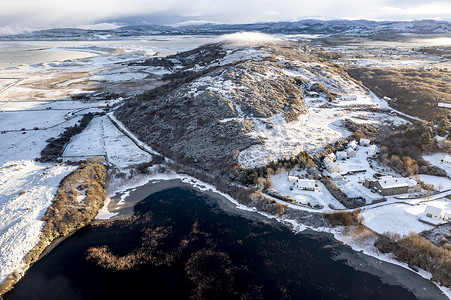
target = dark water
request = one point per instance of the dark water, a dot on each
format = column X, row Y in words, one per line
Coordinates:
column 182, row 245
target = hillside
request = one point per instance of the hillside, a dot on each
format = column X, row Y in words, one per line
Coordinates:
column 249, row 103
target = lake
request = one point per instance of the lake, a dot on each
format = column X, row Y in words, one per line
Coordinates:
column 181, row 244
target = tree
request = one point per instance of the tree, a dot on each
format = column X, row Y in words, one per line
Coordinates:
column 444, row 125
column 426, row 137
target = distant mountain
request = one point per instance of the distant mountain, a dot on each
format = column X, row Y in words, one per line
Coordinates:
column 333, row 27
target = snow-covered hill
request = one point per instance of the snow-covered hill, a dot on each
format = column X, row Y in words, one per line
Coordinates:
column 248, row 100
column 309, row 26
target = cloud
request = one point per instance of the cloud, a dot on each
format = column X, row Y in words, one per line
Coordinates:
column 68, row 13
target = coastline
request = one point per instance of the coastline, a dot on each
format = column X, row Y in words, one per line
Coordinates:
column 387, row 270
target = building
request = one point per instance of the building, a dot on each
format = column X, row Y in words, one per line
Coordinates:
column 364, row 142
column 372, row 150
column 293, row 178
column 350, row 97
column 388, row 185
column 341, row 155
column 434, row 212
column 446, row 160
column 336, row 177
column 351, row 152
column 306, row 184
column 353, row 145
column 332, row 167
column 331, row 156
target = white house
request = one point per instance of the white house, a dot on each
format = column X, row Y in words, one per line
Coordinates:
column 350, row 97
column 364, row 142
column 293, row 178
column 332, row 167
column 446, row 160
column 306, row 184
column 331, row 156
column 447, row 216
column 350, row 152
column 353, row 145
column 372, row 150
column 341, row 155
column 336, row 177
column 434, row 212
column 327, row 160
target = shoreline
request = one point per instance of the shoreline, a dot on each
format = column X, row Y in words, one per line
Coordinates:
column 128, row 196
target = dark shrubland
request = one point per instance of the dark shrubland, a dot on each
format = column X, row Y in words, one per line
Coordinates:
column 413, row 91
column 343, row 218
column 54, row 149
column 419, row 252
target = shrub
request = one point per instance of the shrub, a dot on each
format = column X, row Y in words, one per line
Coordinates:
column 419, row 252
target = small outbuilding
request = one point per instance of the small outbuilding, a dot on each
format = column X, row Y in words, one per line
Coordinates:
column 341, row 155
column 293, row 178
column 364, row 142
column 372, row 150
column 353, row 144
column 351, row 153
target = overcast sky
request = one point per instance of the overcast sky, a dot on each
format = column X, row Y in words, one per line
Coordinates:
column 20, row 14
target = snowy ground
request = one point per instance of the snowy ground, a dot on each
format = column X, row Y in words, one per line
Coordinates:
column 321, row 125
column 440, row 183
column 27, row 189
column 320, row 196
column 435, row 159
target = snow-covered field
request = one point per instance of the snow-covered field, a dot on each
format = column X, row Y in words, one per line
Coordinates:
column 396, row 218
column 435, row 159
column 27, row 189
column 321, row 196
